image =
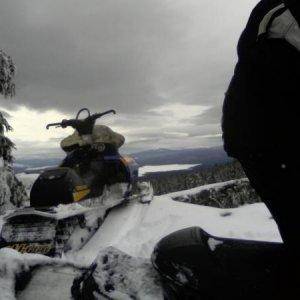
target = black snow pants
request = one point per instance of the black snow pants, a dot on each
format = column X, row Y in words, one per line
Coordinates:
column 276, row 180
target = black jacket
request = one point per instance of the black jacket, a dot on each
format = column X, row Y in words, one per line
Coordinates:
column 261, row 109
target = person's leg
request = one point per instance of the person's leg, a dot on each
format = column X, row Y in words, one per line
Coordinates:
column 276, row 183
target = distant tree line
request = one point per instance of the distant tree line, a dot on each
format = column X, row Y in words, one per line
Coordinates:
column 233, row 194
column 228, row 196
column 168, row 182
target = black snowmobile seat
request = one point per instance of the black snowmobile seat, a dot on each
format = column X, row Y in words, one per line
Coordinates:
column 196, row 265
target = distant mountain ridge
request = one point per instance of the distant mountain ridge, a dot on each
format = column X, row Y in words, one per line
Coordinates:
column 203, row 156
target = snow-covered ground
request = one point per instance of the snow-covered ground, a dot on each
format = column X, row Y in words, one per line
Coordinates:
column 59, row 279
column 202, row 188
column 164, row 168
column 13, row 263
column 135, row 229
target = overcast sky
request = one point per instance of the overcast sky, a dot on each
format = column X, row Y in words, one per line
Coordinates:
column 164, row 65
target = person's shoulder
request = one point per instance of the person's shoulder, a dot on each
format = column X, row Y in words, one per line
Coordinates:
column 264, row 6
column 249, row 34
column 294, row 7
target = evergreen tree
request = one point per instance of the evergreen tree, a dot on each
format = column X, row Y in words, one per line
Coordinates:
column 12, row 192
column 7, row 73
column 7, row 89
column 6, row 144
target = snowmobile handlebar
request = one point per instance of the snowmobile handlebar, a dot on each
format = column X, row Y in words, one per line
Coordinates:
column 83, row 126
column 99, row 115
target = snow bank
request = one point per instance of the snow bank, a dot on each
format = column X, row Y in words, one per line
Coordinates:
column 50, row 283
column 164, row 216
column 164, row 168
column 13, row 263
column 229, row 194
column 136, row 228
column 206, row 187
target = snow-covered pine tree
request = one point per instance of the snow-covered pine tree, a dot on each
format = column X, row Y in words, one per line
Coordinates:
column 12, row 192
column 6, row 145
column 7, row 89
column 7, row 73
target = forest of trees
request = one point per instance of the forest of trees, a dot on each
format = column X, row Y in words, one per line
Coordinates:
column 168, row 182
column 231, row 195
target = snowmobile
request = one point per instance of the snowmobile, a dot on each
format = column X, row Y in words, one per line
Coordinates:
column 68, row 203
column 194, row 264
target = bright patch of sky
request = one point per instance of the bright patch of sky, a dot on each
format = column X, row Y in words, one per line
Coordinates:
column 30, row 125
column 167, row 126
column 180, row 111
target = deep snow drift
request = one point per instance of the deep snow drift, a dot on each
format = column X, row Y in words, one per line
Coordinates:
column 136, row 228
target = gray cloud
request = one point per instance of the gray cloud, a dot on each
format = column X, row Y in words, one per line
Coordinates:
column 212, row 116
column 100, row 54
column 131, row 55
